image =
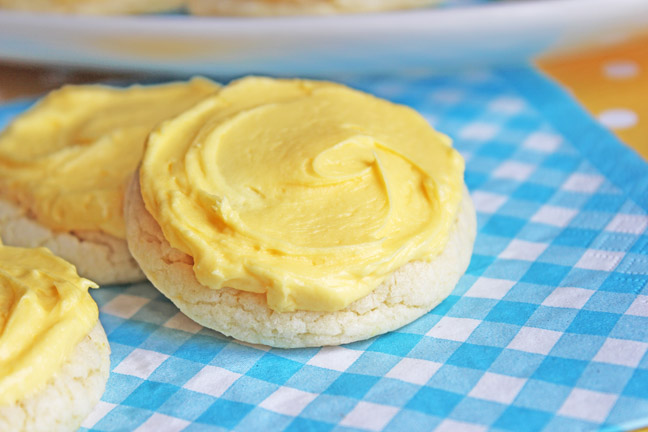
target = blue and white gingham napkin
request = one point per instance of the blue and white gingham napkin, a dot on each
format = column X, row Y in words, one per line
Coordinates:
column 548, row 329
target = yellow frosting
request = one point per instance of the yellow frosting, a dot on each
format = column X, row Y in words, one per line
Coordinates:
column 45, row 311
column 308, row 191
column 68, row 159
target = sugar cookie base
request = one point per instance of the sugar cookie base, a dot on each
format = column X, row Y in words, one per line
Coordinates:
column 69, row 396
column 97, row 256
column 93, row 7
column 408, row 293
column 298, row 7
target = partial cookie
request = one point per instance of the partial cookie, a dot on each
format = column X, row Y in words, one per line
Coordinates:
column 65, row 164
column 93, row 7
column 54, row 356
column 69, row 396
column 298, row 7
column 410, row 292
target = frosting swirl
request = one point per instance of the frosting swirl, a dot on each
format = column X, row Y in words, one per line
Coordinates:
column 310, row 192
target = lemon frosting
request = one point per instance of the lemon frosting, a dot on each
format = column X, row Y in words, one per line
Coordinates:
column 309, row 192
column 68, row 159
column 45, row 311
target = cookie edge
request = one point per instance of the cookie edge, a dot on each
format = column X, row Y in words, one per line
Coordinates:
column 97, row 256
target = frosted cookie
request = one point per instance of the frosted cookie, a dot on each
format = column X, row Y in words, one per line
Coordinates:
column 65, row 165
column 54, row 355
column 299, row 213
column 298, row 7
column 93, row 7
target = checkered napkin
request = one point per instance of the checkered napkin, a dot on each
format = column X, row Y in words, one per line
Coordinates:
column 548, row 329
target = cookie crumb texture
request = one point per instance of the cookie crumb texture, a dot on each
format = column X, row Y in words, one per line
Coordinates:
column 69, row 396
column 407, row 294
column 97, row 256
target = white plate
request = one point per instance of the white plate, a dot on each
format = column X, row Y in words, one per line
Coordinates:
column 428, row 38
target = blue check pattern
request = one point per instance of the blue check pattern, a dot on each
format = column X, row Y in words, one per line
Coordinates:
column 547, row 330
